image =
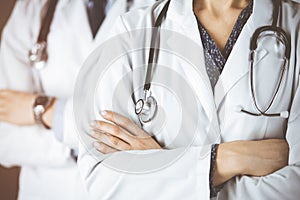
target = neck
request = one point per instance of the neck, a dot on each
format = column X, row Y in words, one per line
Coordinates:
column 219, row 5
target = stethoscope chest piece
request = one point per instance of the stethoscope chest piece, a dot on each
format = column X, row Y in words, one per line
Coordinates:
column 38, row 55
column 146, row 109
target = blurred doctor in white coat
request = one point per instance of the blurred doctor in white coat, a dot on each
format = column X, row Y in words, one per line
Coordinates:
column 46, row 157
column 258, row 156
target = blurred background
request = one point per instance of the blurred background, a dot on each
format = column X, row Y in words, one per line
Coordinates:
column 8, row 177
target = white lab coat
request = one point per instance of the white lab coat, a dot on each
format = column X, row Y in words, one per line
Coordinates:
column 219, row 121
column 48, row 171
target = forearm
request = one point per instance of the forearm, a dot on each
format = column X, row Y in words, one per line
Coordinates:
column 255, row 158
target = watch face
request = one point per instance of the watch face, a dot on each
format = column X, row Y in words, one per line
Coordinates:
column 38, row 109
column 40, row 105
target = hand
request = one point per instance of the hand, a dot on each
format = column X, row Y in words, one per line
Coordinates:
column 254, row 158
column 16, row 107
column 120, row 135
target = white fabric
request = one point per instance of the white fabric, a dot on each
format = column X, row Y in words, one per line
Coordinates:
column 48, row 172
column 218, row 114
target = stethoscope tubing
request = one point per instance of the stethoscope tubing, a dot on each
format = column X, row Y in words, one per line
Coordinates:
column 280, row 33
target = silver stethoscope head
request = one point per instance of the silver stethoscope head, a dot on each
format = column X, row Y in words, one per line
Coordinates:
column 38, row 55
column 146, row 108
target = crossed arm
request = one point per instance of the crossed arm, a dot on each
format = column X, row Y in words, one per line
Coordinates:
column 255, row 158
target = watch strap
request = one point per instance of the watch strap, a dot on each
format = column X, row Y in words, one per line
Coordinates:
column 41, row 104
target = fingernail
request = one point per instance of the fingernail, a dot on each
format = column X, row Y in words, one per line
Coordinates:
column 94, row 125
column 103, row 113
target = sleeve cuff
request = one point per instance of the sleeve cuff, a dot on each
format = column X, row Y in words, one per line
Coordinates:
column 58, row 119
column 214, row 190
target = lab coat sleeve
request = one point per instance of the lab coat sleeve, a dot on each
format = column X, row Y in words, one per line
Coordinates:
column 69, row 134
column 30, row 145
column 64, row 126
column 188, row 176
column 284, row 183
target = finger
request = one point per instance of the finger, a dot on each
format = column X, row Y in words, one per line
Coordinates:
column 103, row 148
column 110, row 140
column 3, row 116
column 112, row 129
column 3, row 93
column 3, row 112
column 125, row 123
column 2, row 100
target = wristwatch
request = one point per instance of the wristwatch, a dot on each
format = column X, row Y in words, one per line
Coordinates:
column 40, row 106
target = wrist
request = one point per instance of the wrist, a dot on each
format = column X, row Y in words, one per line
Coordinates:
column 31, row 101
column 43, row 105
column 47, row 117
column 229, row 162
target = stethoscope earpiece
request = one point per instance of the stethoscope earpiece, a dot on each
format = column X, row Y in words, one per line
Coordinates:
column 285, row 114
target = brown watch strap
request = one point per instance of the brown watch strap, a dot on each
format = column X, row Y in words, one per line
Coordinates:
column 41, row 105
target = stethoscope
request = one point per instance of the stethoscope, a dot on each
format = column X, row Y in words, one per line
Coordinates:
column 281, row 36
column 146, row 108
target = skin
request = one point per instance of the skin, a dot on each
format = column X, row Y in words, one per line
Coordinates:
column 254, row 158
column 218, row 17
column 16, row 108
column 121, row 134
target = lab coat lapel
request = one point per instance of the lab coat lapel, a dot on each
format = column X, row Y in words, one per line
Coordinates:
column 82, row 28
column 82, row 21
column 116, row 9
column 181, row 13
column 237, row 65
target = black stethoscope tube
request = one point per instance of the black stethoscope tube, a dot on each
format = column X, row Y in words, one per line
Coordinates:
column 281, row 36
